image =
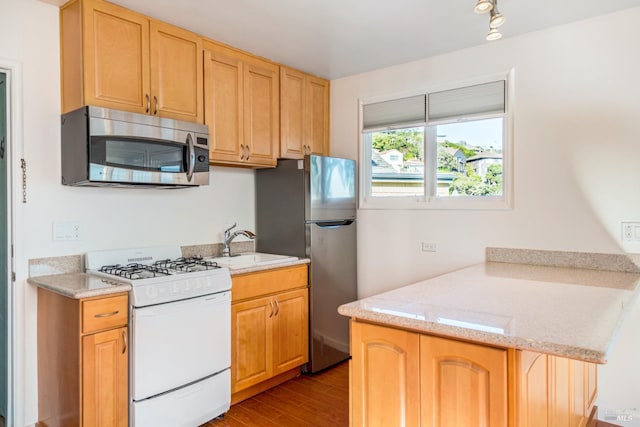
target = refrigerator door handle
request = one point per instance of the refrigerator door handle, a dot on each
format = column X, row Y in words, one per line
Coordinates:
column 332, row 224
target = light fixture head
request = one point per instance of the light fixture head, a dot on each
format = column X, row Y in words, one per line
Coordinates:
column 496, row 17
column 493, row 34
column 483, row 6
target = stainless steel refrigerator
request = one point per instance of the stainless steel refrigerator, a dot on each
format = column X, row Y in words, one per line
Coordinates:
column 307, row 208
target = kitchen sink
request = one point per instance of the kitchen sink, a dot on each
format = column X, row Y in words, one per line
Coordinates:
column 251, row 259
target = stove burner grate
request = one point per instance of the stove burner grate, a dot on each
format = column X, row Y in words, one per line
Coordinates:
column 135, row 271
column 159, row 268
column 188, row 264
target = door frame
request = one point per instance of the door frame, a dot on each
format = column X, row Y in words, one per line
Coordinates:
column 13, row 72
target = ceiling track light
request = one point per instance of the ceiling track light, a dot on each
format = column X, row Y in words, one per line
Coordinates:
column 496, row 19
column 483, row 6
column 493, row 34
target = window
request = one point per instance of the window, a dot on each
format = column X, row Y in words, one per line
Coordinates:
column 444, row 149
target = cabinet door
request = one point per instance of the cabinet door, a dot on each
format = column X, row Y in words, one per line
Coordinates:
column 317, row 134
column 224, row 99
column 176, row 73
column 105, row 379
column 251, row 338
column 290, row 330
column 116, row 57
column 385, row 375
column 292, row 119
column 533, row 390
column 261, row 112
column 462, row 384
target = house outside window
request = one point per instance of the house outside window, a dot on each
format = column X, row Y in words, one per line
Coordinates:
column 447, row 149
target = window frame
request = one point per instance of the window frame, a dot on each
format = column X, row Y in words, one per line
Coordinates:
column 429, row 200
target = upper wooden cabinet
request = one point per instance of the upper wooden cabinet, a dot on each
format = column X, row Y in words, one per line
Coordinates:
column 113, row 57
column 242, row 107
column 304, row 114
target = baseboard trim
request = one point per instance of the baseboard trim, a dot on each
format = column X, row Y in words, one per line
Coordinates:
column 241, row 395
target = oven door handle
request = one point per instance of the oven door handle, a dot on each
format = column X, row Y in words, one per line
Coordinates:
column 191, row 157
column 172, row 307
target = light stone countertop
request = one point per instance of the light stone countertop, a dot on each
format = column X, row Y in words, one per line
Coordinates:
column 258, row 268
column 79, row 285
column 569, row 312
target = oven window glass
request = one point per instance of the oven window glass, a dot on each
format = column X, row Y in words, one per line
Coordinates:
column 141, row 155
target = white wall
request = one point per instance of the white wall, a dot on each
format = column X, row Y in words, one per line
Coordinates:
column 577, row 125
column 110, row 218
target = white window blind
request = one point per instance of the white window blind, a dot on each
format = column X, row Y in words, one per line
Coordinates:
column 466, row 101
column 396, row 113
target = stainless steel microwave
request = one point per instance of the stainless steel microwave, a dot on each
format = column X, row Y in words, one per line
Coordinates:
column 105, row 147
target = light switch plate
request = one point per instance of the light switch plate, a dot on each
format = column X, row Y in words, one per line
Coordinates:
column 66, row 231
column 429, row 247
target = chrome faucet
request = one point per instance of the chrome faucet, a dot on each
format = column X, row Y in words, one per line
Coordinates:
column 229, row 236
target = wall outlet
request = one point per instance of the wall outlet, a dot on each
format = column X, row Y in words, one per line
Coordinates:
column 429, row 247
column 631, row 231
column 66, row 231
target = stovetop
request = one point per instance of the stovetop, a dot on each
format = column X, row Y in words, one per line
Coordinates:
column 159, row 274
column 160, row 268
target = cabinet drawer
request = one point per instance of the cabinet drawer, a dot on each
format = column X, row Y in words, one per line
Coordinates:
column 252, row 285
column 104, row 313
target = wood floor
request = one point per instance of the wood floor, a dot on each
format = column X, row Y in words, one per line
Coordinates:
column 316, row 400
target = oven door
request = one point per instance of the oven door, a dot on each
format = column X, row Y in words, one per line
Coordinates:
column 180, row 342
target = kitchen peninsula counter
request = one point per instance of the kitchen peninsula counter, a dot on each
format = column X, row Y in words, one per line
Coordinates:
column 512, row 342
column 562, row 311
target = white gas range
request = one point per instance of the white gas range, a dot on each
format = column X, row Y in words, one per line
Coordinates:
column 180, row 328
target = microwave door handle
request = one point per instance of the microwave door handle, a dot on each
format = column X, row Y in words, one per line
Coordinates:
column 191, row 157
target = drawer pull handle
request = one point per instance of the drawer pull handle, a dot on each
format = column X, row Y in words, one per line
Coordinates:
column 124, row 342
column 277, row 308
column 148, row 102
column 271, row 306
column 113, row 313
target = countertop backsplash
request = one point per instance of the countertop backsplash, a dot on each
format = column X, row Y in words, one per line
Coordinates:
column 628, row 263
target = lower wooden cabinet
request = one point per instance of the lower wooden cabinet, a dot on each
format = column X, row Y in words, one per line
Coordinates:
column 400, row 377
column 269, row 329
column 105, row 378
column 554, row 391
column 462, row 384
column 385, row 376
column 83, row 374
